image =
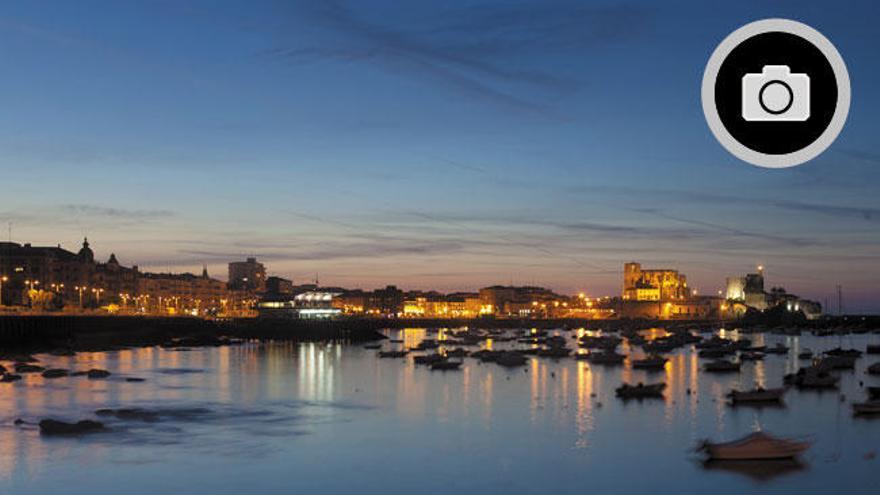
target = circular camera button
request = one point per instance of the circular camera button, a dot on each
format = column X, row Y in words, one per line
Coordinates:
column 776, row 93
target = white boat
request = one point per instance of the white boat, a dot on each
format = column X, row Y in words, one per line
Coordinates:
column 755, row 446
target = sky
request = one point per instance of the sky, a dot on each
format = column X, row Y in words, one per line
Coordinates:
column 444, row 145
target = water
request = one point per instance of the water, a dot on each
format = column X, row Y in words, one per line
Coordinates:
column 332, row 418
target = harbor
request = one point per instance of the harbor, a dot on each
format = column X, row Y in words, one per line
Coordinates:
column 535, row 419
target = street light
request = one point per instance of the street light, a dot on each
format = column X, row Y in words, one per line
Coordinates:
column 4, row 278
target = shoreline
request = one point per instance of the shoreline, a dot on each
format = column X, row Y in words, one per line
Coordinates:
column 84, row 332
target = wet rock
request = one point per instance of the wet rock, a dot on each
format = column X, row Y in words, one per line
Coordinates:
column 28, row 368
column 55, row 373
column 96, row 373
column 9, row 377
column 130, row 414
column 55, row 427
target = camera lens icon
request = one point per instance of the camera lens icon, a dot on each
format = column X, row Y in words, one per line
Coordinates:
column 776, row 95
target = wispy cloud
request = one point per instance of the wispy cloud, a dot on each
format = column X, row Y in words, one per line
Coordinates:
column 106, row 211
column 478, row 57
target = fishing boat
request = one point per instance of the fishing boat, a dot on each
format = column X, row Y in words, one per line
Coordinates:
column 866, row 408
column 805, row 354
column 755, row 446
column 640, row 391
column 653, row 362
column 874, row 369
column 837, row 351
column 757, row 395
column 372, row 346
column 721, row 366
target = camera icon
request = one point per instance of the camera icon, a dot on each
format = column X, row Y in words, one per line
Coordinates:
column 776, row 95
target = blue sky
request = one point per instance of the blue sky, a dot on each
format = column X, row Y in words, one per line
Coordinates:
column 427, row 144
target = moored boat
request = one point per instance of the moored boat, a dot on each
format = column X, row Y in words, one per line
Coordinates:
column 446, row 365
column 755, row 446
column 640, row 391
column 721, row 366
column 392, row 354
column 865, row 408
column 874, row 369
column 607, row 358
column 757, row 395
column 653, row 362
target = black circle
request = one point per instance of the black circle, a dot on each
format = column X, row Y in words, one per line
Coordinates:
column 787, row 88
column 801, row 57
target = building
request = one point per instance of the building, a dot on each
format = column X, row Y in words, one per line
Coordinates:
column 309, row 305
column 185, row 294
column 58, row 277
column 278, row 285
column 509, row 301
column 249, row 275
column 653, row 285
column 749, row 291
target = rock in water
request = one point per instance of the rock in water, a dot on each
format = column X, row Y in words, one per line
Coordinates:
column 55, row 427
column 28, row 368
column 96, row 373
column 55, row 373
column 10, row 377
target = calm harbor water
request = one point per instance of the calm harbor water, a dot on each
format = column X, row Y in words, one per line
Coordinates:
column 333, row 418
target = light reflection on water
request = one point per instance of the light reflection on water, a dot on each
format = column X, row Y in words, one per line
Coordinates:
column 336, row 418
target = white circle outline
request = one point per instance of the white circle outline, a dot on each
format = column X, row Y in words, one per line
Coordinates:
column 806, row 153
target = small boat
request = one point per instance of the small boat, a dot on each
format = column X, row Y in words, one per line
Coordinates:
column 429, row 359
column 837, row 351
column 607, row 358
column 873, row 392
column 510, row 359
column 751, row 356
column 554, row 352
column 757, row 395
column 812, row 377
column 457, row 352
column 777, row 349
column 837, row 362
column 372, row 346
column 640, row 391
column 755, row 446
column 805, row 354
column 721, row 366
column 874, row 369
column 445, row 365
column 865, row 408
column 393, row 354
column 395, row 341
column 653, row 362
column 873, row 349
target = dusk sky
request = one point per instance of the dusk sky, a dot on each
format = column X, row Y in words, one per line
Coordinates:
column 450, row 146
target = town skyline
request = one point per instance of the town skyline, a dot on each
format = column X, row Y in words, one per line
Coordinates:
column 376, row 143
